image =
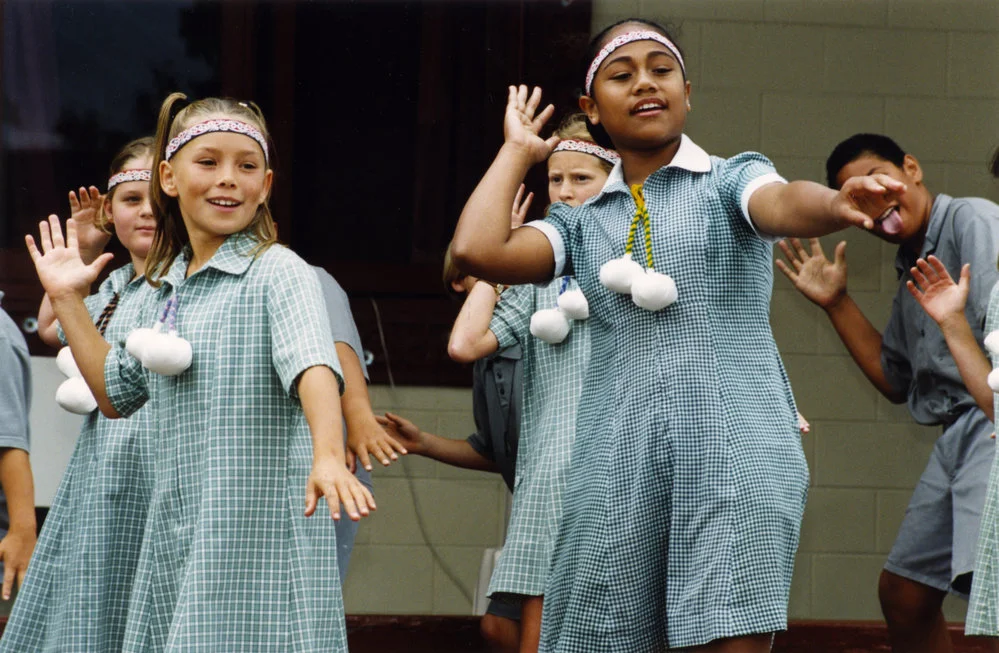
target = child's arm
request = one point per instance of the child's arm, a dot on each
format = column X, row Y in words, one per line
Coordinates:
column 806, row 209
column 484, row 245
column 471, row 337
column 364, row 435
column 66, row 279
column 824, row 283
column 458, row 453
column 319, row 393
column 19, row 542
column 91, row 242
column 944, row 301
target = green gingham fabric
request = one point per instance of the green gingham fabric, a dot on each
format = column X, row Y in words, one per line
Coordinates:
column 983, row 608
column 688, row 481
column 75, row 596
column 553, row 381
column 229, row 562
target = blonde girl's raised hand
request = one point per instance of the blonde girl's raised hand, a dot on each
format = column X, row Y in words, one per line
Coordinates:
column 820, row 280
column 58, row 263
column 83, row 209
column 934, row 289
column 330, row 478
column 520, row 206
column 522, row 128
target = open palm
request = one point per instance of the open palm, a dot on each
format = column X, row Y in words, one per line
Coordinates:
column 815, row 276
column 83, row 210
column 522, row 127
column 935, row 290
column 59, row 266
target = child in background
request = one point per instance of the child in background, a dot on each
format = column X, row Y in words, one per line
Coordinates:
column 497, row 394
column 77, row 592
column 681, row 520
column 17, row 489
column 229, row 560
column 553, row 380
column 934, row 551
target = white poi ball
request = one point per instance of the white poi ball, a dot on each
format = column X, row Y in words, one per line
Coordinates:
column 574, row 305
column 653, row 291
column 67, row 364
column 136, row 342
column 992, row 342
column 994, row 380
column 618, row 274
column 167, row 354
column 74, row 395
column 550, row 325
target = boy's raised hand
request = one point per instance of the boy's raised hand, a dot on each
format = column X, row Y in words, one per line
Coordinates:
column 816, row 277
column 522, row 128
column 862, row 200
column 935, row 290
column 404, row 432
column 83, row 211
column 59, row 266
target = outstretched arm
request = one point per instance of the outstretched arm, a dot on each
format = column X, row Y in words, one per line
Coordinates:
column 471, row 338
column 824, row 283
column 66, row 280
column 18, row 544
column 458, row 453
column 944, row 301
column 807, row 209
column 365, row 436
column 484, row 245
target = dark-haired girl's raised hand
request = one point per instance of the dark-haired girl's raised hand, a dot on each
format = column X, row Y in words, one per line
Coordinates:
column 815, row 276
column 58, row 263
column 862, row 200
column 83, row 209
column 522, row 128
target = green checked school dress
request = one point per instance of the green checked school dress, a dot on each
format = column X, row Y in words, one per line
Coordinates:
column 553, row 381
column 687, row 482
column 983, row 608
column 229, row 561
column 76, row 592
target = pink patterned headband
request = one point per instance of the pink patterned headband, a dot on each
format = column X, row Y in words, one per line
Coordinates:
column 216, row 125
column 586, row 147
column 624, row 39
column 129, row 175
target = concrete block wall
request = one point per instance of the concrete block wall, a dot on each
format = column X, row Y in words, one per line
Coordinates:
column 791, row 78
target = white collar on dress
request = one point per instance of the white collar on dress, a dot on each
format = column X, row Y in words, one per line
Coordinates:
column 689, row 156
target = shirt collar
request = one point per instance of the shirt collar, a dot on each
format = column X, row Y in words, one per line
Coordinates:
column 689, row 156
column 234, row 256
column 905, row 259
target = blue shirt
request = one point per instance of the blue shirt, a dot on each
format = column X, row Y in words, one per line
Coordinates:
column 15, row 396
column 914, row 354
column 497, row 400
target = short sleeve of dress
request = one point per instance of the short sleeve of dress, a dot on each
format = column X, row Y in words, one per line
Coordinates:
column 125, row 381
column 511, row 321
column 743, row 175
column 560, row 228
column 342, row 323
column 894, row 360
column 298, row 321
column 992, row 324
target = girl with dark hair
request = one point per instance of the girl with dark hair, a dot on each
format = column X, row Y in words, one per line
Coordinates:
column 681, row 521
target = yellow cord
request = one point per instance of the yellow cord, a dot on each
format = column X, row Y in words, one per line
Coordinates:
column 641, row 214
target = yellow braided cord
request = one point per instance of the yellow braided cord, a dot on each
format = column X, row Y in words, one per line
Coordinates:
column 631, row 231
column 641, row 213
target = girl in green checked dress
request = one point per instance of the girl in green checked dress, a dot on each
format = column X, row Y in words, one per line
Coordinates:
column 75, row 596
column 244, row 384
column 687, row 482
column 553, row 380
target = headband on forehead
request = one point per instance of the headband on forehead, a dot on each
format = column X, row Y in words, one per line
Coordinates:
column 624, row 39
column 573, row 145
column 211, row 126
column 129, row 175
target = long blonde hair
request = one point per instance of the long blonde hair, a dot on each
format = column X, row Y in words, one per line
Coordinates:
column 171, row 233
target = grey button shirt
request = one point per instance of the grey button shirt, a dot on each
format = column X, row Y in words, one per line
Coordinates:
column 15, row 396
column 914, row 354
column 497, row 392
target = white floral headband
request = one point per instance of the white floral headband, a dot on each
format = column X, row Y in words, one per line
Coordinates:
column 624, row 39
column 216, row 125
column 129, row 175
column 573, row 145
